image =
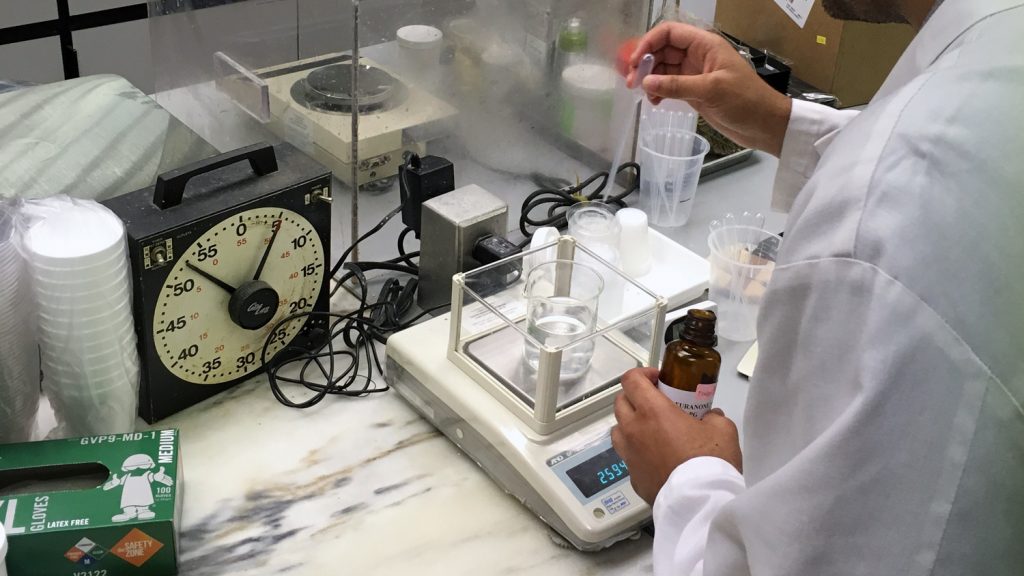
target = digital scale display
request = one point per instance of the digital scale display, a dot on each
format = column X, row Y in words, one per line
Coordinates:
column 598, row 473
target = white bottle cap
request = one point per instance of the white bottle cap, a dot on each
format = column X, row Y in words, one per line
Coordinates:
column 419, row 37
column 634, row 243
column 541, row 236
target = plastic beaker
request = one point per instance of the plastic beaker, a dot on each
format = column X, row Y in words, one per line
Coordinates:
column 561, row 308
column 670, row 163
column 742, row 261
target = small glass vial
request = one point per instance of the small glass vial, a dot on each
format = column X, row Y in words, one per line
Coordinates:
column 689, row 372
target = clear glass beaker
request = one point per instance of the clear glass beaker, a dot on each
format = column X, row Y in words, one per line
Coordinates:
column 593, row 224
column 562, row 301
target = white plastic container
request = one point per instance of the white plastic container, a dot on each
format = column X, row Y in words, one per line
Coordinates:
column 635, row 242
column 419, row 48
column 588, row 99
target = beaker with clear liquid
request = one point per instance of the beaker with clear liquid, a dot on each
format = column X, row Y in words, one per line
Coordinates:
column 562, row 302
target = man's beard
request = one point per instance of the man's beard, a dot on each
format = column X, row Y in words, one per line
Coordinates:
column 873, row 11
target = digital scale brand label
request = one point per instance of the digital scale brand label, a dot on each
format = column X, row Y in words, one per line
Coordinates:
column 614, row 502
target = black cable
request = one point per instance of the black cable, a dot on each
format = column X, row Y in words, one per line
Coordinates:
column 402, row 255
column 341, row 384
column 357, row 270
column 555, row 201
column 380, row 225
column 359, row 333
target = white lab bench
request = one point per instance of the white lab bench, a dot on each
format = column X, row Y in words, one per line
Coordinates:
column 365, row 486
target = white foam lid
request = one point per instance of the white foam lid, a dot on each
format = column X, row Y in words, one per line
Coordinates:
column 419, row 36
column 76, row 234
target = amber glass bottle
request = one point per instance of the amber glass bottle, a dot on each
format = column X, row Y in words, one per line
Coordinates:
column 689, row 372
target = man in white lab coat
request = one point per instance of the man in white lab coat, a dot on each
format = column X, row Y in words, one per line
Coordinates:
column 884, row 432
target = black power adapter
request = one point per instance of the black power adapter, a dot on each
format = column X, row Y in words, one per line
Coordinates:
column 490, row 249
column 419, row 180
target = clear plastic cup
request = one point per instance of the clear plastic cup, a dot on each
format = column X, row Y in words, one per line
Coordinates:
column 561, row 308
column 670, row 163
column 742, row 261
column 105, row 407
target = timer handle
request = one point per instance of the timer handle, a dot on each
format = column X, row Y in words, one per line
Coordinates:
column 170, row 186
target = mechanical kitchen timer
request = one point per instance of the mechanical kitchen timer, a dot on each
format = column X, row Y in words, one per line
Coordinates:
column 222, row 250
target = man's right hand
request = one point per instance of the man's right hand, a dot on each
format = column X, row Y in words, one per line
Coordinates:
column 706, row 71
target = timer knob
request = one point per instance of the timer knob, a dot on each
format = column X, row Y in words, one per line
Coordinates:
column 253, row 304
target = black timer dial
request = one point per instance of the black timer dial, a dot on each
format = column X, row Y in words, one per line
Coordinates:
column 216, row 269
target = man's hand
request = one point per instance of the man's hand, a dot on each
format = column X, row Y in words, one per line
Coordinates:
column 706, row 71
column 654, row 436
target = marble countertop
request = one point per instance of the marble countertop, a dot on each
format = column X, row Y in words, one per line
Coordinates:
column 366, row 486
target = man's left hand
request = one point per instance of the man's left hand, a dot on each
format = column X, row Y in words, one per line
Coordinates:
column 654, row 436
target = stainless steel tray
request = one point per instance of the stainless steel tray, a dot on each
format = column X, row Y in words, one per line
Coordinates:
column 719, row 164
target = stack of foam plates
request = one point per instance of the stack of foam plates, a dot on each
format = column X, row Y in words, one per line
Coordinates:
column 79, row 265
column 19, row 350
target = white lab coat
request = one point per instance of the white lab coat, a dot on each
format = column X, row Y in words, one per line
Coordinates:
column 884, row 432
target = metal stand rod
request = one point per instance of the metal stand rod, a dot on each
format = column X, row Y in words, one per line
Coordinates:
column 355, row 131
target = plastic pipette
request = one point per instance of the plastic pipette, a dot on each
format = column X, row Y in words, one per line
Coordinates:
column 645, row 68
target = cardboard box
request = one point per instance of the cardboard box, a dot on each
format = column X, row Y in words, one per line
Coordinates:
column 848, row 59
column 98, row 506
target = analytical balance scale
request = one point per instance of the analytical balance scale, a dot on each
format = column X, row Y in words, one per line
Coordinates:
column 311, row 106
column 544, row 440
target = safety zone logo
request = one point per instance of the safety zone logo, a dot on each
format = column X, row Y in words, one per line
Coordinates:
column 135, row 548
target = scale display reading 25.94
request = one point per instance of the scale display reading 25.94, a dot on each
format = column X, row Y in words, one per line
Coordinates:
column 229, row 289
column 598, row 473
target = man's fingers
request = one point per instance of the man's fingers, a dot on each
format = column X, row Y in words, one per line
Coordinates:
column 618, row 442
column 623, row 409
column 718, row 419
column 640, row 389
column 678, row 87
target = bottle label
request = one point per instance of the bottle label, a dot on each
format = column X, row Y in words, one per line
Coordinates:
column 695, row 404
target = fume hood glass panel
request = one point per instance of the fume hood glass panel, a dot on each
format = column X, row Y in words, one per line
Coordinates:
column 518, row 89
